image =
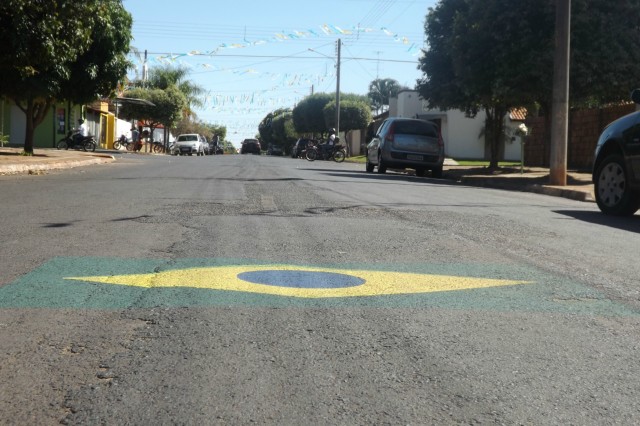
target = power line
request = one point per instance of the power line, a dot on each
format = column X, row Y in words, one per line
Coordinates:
column 288, row 57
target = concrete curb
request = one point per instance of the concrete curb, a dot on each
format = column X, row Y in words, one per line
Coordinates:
column 59, row 164
column 555, row 191
column 562, row 192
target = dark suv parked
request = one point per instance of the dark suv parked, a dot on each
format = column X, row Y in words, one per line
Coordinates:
column 300, row 146
column 250, row 146
column 616, row 169
column 407, row 143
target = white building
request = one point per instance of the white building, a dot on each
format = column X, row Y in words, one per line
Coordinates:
column 463, row 137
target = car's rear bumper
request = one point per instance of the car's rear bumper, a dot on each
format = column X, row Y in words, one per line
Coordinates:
column 410, row 160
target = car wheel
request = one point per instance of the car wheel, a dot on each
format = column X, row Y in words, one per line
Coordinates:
column 612, row 191
column 437, row 172
column 382, row 168
column 369, row 166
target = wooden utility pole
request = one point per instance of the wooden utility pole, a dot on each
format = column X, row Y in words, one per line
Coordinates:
column 560, row 107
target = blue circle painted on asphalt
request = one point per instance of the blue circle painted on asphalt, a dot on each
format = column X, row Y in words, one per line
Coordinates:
column 301, row 279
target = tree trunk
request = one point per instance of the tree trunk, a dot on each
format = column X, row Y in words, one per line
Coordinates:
column 494, row 132
column 35, row 112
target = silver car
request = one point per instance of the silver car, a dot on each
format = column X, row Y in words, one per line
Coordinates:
column 189, row 144
column 407, row 143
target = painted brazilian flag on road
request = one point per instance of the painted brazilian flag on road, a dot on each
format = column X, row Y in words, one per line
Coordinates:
column 106, row 283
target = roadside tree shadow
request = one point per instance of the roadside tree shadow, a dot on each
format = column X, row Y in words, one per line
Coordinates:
column 630, row 224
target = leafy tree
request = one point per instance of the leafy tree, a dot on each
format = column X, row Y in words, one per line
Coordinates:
column 354, row 115
column 163, row 77
column 62, row 50
column 308, row 116
column 272, row 128
column 207, row 130
column 605, row 51
column 284, row 131
column 471, row 48
column 380, row 90
column 486, row 54
column 169, row 76
column 167, row 109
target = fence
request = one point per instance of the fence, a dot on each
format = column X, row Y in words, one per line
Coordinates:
column 585, row 127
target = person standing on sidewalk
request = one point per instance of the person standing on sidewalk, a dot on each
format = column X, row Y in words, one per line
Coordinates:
column 135, row 138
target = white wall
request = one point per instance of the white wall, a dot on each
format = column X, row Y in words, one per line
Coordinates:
column 18, row 130
column 461, row 134
column 123, row 127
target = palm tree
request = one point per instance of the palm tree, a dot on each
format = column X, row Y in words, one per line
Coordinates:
column 163, row 77
column 380, row 90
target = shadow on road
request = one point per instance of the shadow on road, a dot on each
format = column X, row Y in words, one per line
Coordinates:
column 631, row 224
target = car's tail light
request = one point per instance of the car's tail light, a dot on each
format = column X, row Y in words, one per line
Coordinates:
column 390, row 134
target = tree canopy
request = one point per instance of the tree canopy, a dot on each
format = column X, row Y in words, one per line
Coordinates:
column 167, row 110
column 62, row 50
column 354, row 114
column 163, row 77
column 487, row 54
column 308, row 116
column 380, row 90
column 277, row 127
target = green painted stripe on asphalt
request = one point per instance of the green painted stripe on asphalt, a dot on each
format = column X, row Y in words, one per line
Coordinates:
column 49, row 286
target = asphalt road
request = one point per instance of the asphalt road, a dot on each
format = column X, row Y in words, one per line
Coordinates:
column 255, row 289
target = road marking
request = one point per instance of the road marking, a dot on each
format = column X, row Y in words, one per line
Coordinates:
column 302, row 282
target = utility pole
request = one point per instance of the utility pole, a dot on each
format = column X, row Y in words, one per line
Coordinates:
column 560, row 107
column 338, row 90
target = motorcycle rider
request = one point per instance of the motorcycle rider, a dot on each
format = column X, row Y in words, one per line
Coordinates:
column 81, row 132
column 327, row 147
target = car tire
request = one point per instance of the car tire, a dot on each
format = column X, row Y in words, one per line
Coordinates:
column 611, row 187
column 382, row 168
column 369, row 167
column 437, row 172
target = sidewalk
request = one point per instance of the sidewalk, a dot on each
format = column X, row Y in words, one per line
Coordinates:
column 534, row 179
column 44, row 159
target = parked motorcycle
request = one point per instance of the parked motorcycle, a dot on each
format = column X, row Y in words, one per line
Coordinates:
column 122, row 142
column 336, row 153
column 73, row 140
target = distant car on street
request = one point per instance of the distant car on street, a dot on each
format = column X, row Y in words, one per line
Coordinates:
column 250, row 146
column 274, row 150
column 189, row 144
column 616, row 169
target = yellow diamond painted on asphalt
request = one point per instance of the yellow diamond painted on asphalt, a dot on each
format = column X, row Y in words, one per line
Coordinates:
column 297, row 281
